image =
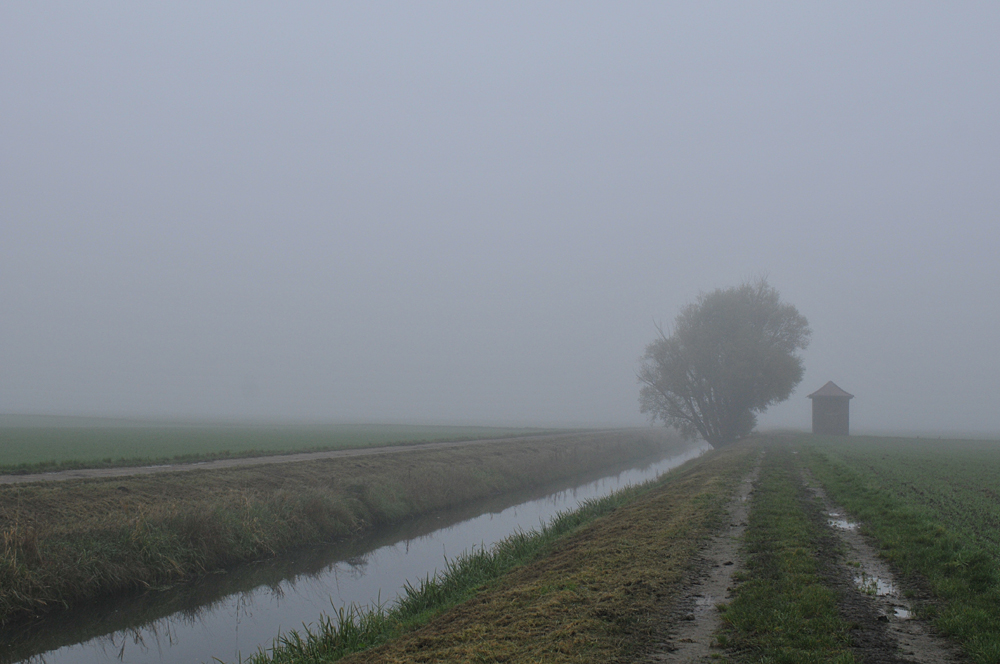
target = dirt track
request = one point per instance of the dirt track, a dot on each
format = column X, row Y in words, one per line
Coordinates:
column 696, row 620
column 127, row 471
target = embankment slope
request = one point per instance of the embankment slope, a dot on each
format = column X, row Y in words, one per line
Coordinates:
column 65, row 542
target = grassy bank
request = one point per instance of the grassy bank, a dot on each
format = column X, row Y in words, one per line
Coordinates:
column 65, row 542
column 783, row 609
column 356, row 629
column 27, row 447
column 933, row 509
column 595, row 586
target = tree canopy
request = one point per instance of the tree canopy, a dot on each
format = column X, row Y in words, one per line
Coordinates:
column 731, row 355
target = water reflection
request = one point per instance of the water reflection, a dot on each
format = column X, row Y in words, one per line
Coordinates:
column 875, row 585
column 232, row 614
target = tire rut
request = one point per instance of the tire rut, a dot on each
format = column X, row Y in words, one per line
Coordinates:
column 695, row 619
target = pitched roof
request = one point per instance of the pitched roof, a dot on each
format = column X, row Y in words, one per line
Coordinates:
column 831, row 390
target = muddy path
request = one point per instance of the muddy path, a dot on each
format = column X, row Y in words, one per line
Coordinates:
column 129, row 471
column 696, row 620
column 880, row 620
column 886, row 625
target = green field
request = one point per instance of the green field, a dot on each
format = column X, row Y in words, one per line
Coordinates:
column 954, row 482
column 52, row 443
column 933, row 509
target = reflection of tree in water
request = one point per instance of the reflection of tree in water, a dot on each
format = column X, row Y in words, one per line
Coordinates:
column 152, row 618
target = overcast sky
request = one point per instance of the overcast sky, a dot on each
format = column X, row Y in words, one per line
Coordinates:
column 476, row 212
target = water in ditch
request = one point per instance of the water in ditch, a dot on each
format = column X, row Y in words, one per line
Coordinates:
column 233, row 614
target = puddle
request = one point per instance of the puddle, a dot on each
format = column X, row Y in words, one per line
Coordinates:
column 902, row 614
column 875, row 585
column 843, row 524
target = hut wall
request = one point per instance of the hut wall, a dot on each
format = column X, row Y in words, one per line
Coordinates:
column 831, row 416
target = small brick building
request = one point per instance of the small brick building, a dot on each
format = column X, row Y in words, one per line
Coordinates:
column 831, row 410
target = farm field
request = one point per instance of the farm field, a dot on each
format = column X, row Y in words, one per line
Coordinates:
column 42, row 444
column 932, row 508
column 954, row 482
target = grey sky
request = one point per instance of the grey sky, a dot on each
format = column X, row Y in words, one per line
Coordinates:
column 476, row 212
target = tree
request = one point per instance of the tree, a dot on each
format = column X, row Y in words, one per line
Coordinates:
column 731, row 355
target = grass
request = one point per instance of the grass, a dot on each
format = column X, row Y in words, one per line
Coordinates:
column 66, row 542
column 30, row 447
column 933, row 509
column 783, row 611
column 594, row 586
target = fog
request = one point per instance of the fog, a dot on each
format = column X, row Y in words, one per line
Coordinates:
column 470, row 212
